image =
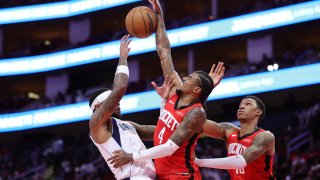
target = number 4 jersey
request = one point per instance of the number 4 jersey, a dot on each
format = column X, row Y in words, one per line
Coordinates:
column 261, row 168
column 182, row 161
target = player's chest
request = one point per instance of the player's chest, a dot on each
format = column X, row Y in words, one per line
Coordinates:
column 170, row 119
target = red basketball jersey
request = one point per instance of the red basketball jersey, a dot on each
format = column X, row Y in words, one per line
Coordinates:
column 261, row 168
column 182, row 161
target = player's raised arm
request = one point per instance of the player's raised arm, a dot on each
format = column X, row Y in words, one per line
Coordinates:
column 163, row 45
column 108, row 106
column 263, row 144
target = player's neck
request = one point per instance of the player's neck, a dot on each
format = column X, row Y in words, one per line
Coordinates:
column 247, row 128
column 185, row 100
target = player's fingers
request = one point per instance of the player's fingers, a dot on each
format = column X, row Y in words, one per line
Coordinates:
column 116, row 151
column 115, row 165
column 128, row 42
column 123, row 38
column 223, row 70
column 151, row 2
column 212, row 68
column 171, row 82
column 155, row 86
column 118, row 163
column 166, row 79
column 220, row 67
column 171, row 78
column 127, row 38
column 112, row 161
column 111, row 158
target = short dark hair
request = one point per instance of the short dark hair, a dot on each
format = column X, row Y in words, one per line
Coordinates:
column 260, row 105
column 206, row 84
column 96, row 94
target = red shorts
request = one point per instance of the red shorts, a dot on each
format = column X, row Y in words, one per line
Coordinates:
column 196, row 176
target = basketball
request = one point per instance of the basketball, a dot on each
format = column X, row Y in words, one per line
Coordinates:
column 141, row 22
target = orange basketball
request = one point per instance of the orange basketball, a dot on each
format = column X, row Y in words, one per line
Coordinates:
column 141, row 22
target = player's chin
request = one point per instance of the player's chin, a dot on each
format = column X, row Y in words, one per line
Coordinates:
column 179, row 90
column 240, row 116
column 117, row 114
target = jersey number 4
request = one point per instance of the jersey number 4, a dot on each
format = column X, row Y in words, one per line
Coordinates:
column 160, row 135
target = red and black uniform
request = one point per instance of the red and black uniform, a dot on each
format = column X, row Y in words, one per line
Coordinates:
column 261, row 168
column 181, row 164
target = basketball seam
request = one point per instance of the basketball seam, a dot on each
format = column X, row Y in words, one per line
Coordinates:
column 144, row 22
column 134, row 32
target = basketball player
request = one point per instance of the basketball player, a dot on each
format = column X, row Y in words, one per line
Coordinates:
column 181, row 120
column 109, row 133
column 250, row 149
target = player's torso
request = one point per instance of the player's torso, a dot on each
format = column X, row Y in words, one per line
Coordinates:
column 168, row 121
column 128, row 139
column 261, row 168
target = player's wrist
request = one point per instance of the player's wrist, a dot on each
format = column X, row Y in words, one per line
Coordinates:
column 122, row 69
column 198, row 162
column 136, row 156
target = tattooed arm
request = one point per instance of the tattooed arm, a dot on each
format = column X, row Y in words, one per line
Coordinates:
column 145, row 132
column 191, row 124
column 263, row 144
column 163, row 46
column 218, row 130
column 98, row 130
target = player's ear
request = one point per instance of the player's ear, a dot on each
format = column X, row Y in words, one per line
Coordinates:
column 197, row 89
column 96, row 106
column 259, row 112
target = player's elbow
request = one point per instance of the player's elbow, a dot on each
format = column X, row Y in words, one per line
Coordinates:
column 92, row 124
column 170, row 147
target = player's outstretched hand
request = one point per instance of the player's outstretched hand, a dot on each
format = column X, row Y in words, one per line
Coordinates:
column 120, row 158
column 156, row 6
column 217, row 74
column 166, row 87
column 124, row 46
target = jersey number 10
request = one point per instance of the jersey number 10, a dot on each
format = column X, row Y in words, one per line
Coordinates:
column 240, row 171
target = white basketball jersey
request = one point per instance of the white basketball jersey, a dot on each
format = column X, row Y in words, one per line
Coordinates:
column 126, row 138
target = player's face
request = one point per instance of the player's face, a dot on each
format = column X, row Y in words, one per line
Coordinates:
column 190, row 84
column 248, row 110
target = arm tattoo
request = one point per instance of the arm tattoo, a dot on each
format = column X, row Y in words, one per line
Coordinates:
column 218, row 130
column 103, row 113
column 145, row 132
column 163, row 47
column 191, row 124
column 227, row 125
column 123, row 61
column 261, row 144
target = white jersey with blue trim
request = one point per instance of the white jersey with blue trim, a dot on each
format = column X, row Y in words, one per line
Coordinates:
column 125, row 137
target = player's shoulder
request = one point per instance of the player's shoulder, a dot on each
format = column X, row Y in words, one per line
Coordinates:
column 197, row 110
column 120, row 121
column 265, row 136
